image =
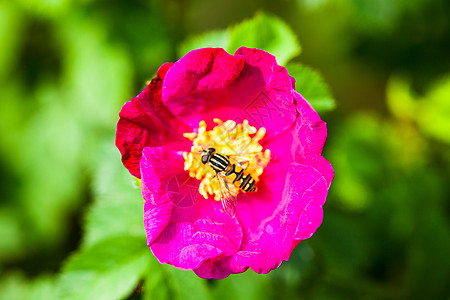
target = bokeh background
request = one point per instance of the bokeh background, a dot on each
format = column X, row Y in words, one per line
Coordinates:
column 67, row 67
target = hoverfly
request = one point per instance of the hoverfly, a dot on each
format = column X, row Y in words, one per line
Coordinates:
column 224, row 168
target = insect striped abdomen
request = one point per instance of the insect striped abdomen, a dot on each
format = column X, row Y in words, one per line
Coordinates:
column 221, row 163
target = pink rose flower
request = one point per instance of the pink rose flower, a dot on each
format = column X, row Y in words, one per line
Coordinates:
column 193, row 233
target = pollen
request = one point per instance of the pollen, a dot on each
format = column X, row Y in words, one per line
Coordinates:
column 238, row 142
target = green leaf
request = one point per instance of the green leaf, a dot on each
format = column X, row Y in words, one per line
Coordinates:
column 97, row 77
column 433, row 111
column 108, row 270
column 310, row 84
column 16, row 286
column 117, row 208
column 156, row 286
column 13, row 242
column 268, row 33
column 11, row 32
column 186, row 284
column 168, row 282
column 248, row 286
column 399, row 98
column 54, row 183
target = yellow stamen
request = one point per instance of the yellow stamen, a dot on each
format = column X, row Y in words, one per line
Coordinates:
column 238, row 141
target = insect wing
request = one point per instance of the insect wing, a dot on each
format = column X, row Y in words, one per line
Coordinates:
column 244, row 161
column 228, row 195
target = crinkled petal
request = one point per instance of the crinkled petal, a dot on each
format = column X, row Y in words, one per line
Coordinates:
column 145, row 121
column 273, row 106
column 303, row 192
column 199, row 70
column 209, row 83
column 269, row 241
column 217, row 268
column 288, row 205
column 183, row 229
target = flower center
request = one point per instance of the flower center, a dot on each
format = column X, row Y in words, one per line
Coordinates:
column 238, row 143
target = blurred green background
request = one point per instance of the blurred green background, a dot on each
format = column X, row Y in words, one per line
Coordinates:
column 68, row 66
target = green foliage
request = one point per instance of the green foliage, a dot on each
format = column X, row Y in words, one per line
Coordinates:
column 431, row 112
column 156, row 283
column 249, row 285
column 114, row 252
column 267, row 33
column 167, row 282
column 12, row 241
column 390, row 194
column 17, row 287
column 186, row 285
column 310, row 84
column 117, row 209
column 11, row 27
column 108, row 270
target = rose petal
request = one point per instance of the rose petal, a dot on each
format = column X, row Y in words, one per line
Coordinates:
column 156, row 174
column 203, row 70
column 216, row 268
column 274, row 236
column 209, row 83
column 144, row 121
column 273, row 106
column 189, row 229
column 269, row 241
column 274, row 221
